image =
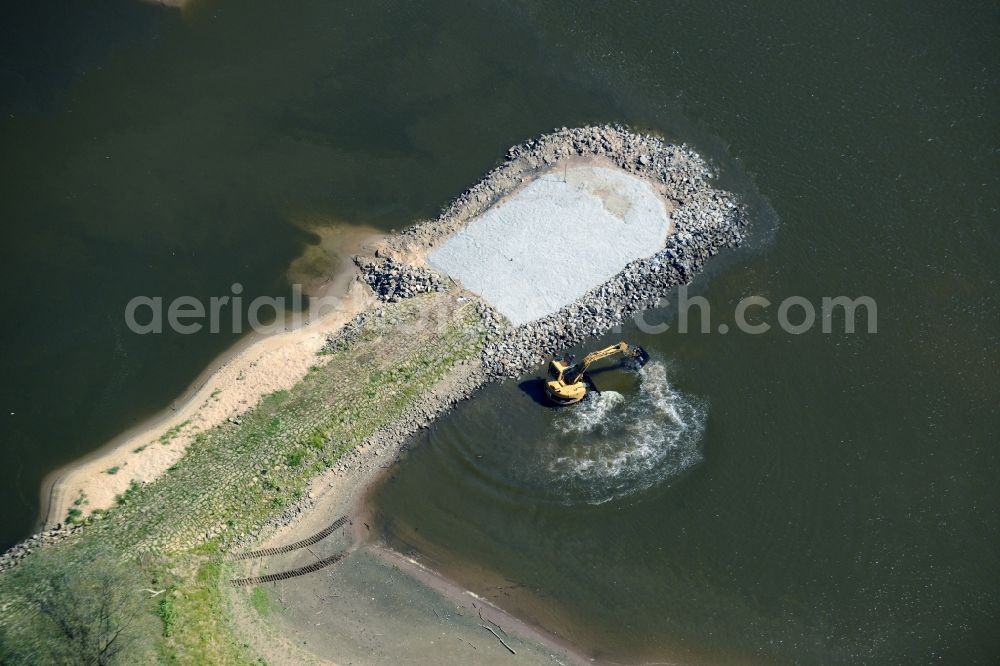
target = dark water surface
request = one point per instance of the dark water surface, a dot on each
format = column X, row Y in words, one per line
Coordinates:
column 774, row 498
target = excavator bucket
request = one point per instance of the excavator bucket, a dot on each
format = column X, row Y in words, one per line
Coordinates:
column 641, row 356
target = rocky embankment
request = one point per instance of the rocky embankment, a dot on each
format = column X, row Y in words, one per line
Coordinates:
column 392, row 280
column 705, row 219
column 35, row 541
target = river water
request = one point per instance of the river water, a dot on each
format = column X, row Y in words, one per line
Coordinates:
column 813, row 498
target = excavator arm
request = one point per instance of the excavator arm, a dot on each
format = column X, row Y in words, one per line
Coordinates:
column 594, row 356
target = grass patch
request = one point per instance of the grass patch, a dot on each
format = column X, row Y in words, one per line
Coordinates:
column 112, row 470
column 274, row 400
column 273, row 427
column 133, row 489
column 195, row 614
column 260, row 601
column 317, row 440
column 166, row 437
column 168, row 615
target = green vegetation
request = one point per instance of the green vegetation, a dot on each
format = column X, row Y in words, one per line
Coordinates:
column 166, row 437
column 129, row 494
column 295, row 458
column 168, row 614
column 194, row 613
column 74, row 516
column 112, row 470
column 234, row 478
column 260, row 601
column 140, row 449
column 73, row 604
column 277, row 397
column 317, row 440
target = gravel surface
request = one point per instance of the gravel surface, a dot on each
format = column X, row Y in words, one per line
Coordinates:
column 552, row 241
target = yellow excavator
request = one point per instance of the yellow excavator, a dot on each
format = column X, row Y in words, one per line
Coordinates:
column 569, row 382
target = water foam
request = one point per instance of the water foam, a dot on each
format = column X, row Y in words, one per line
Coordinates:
column 612, row 447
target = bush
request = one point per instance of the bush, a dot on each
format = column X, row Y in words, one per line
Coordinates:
column 73, row 604
column 317, row 440
column 168, row 614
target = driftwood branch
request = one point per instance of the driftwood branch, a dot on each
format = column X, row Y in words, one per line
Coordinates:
column 502, row 641
column 486, row 619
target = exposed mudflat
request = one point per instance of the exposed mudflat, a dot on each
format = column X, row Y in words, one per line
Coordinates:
column 552, row 241
column 374, row 605
column 372, row 609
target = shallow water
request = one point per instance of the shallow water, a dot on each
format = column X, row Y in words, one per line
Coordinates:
column 838, row 504
column 613, row 445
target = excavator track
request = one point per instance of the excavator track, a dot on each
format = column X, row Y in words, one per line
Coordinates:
column 292, row 573
column 277, row 550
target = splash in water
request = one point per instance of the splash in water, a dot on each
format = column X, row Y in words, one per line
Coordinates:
column 611, row 447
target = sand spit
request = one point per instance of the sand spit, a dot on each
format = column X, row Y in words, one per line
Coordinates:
column 253, row 369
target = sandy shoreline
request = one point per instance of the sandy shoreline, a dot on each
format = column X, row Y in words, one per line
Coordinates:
column 235, row 381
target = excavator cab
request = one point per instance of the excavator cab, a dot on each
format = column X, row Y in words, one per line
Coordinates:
column 560, row 387
column 568, row 383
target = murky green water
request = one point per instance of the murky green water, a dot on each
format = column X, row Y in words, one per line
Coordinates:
column 834, row 498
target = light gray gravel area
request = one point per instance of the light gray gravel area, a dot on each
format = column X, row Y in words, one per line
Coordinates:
column 552, row 241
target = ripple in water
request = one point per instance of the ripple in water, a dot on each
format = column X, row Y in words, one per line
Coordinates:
column 611, row 447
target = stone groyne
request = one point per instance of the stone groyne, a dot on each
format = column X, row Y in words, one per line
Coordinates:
column 705, row 220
